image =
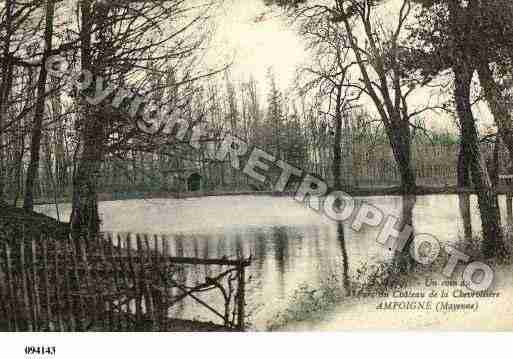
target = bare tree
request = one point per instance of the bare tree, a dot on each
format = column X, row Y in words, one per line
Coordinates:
column 455, row 47
column 122, row 43
column 329, row 77
column 39, row 109
column 379, row 56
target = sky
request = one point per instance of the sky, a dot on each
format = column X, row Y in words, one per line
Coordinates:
column 256, row 38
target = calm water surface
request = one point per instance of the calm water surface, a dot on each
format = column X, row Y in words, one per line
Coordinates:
column 290, row 244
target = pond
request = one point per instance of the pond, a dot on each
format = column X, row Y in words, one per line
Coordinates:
column 291, row 246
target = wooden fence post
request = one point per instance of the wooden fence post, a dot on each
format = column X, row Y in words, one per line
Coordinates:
column 46, row 281
column 135, row 279
column 103, row 276
column 28, row 322
column 82, row 245
column 167, row 291
column 241, row 298
column 157, row 293
column 124, row 282
column 35, row 285
column 148, row 302
column 509, row 208
column 11, row 288
column 78, row 300
column 4, row 299
column 58, row 303
column 114, row 287
column 98, row 270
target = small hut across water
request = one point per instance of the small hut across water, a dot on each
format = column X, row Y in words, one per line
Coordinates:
column 194, row 182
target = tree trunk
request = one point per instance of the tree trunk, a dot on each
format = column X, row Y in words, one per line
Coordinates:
column 403, row 260
column 494, row 163
column 345, row 265
column 498, row 106
column 337, row 144
column 400, row 141
column 493, row 243
column 463, row 180
column 5, row 89
column 84, row 214
column 35, row 144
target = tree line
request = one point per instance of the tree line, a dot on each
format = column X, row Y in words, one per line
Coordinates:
column 393, row 54
column 360, row 85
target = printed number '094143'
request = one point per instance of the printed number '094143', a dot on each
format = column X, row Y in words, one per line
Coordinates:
column 39, row 350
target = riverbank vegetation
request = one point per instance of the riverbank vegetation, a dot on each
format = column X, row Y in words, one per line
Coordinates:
column 371, row 282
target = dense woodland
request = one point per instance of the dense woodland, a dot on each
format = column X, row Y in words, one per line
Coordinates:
column 352, row 117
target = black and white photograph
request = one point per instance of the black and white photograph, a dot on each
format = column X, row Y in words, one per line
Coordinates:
column 249, row 166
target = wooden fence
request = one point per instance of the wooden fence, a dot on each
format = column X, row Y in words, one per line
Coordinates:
column 109, row 284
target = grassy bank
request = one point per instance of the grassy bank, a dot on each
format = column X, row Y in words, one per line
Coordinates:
column 332, row 306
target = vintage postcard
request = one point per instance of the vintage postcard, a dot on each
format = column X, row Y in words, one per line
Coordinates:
column 255, row 166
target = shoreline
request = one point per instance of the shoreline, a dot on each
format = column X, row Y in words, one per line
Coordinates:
column 355, row 192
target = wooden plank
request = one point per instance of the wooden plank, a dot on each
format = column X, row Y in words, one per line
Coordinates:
column 103, row 279
column 35, row 285
column 150, row 303
column 46, row 280
column 67, row 273
column 124, row 282
column 109, row 290
column 78, row 299
column 136, row 282
column 156, row 252
column 4, row 300
column 11, row 287
column 90, row 294
column 58, row 301
column 114, row 287
column 99, row 270
column 241, row 298
column 157, row 295
column 29, row 316
column 222, row 262
column 167, row 291
column 141, row 280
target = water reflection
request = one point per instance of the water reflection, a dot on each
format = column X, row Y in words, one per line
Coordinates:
column 509, row 212
column 284, row 257
column 345, row 259
column 281, row 242
column 289, row 244
column 403, row 259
